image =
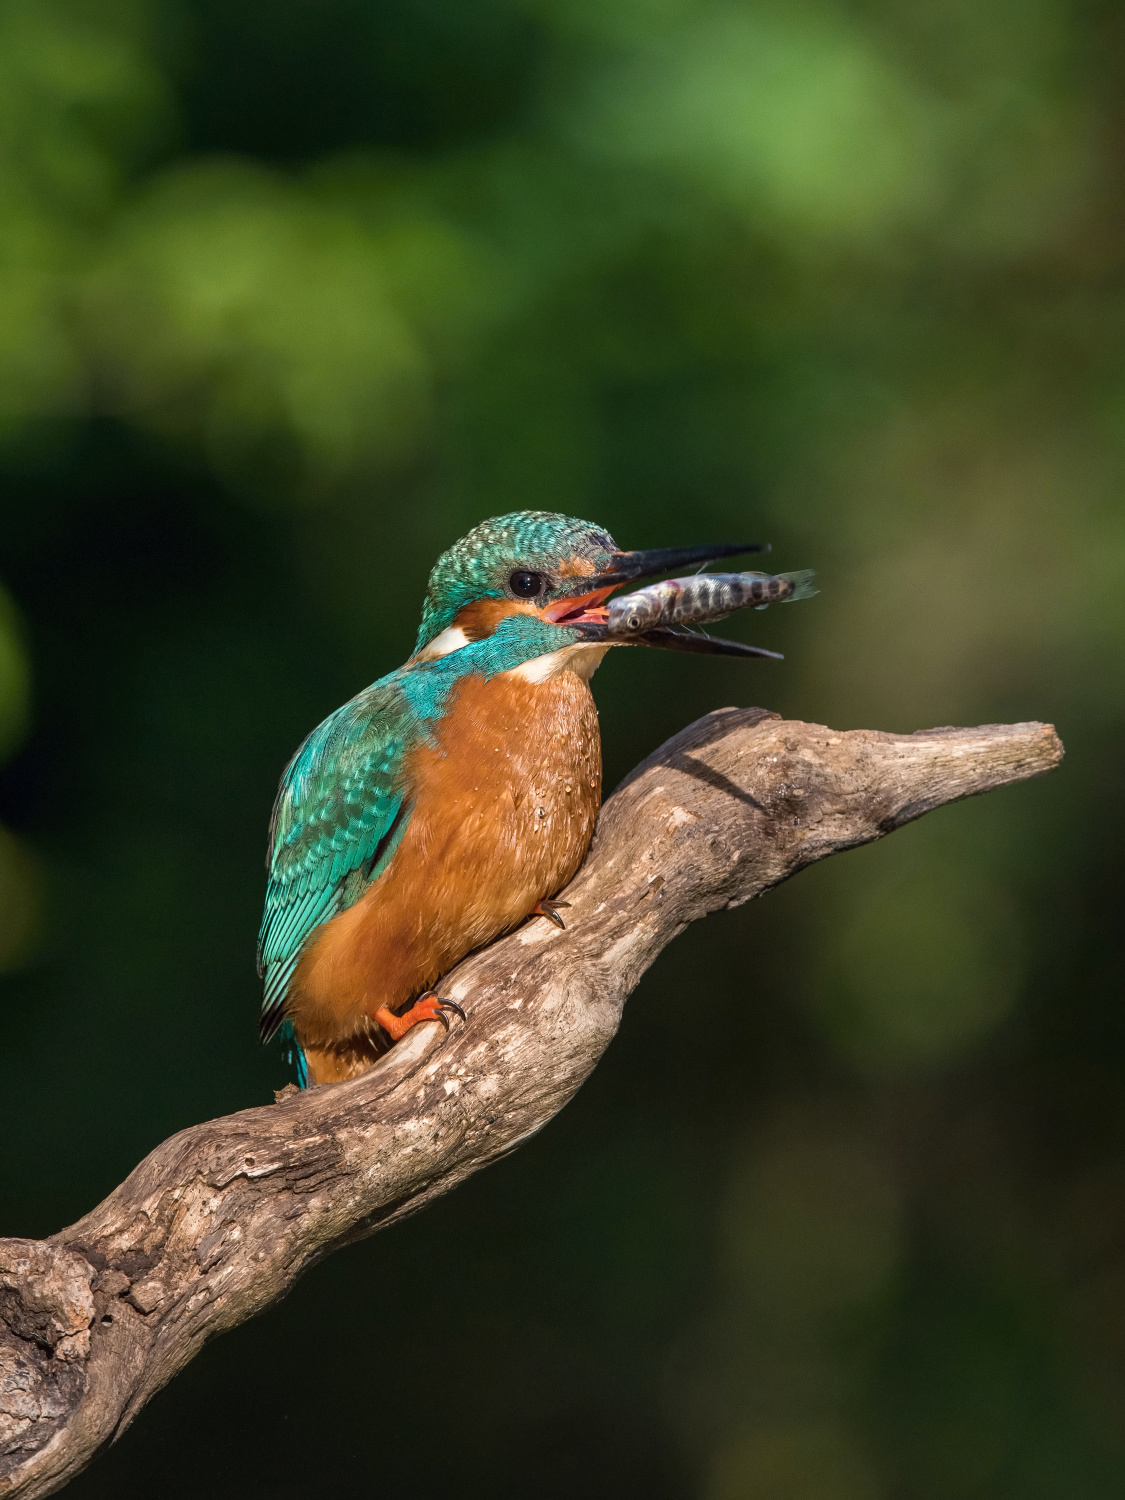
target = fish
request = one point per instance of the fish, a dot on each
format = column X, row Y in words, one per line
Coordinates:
column 663, row 614
column 701, row 598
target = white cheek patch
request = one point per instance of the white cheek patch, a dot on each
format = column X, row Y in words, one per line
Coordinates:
column 581, row 659
column 451, row 639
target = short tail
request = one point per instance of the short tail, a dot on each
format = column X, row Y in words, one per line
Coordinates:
column 293, row 1053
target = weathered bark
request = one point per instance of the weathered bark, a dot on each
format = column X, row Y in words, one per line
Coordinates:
column 219, row 1221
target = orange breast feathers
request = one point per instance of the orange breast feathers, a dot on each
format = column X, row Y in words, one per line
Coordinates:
column 503, row 812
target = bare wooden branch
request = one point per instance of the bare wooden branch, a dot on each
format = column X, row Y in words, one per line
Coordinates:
column 219, row 1221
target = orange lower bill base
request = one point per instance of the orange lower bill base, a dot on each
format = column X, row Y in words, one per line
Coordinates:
column 580, row 608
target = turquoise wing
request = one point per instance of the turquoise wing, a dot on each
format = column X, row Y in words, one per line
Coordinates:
column 342, row 807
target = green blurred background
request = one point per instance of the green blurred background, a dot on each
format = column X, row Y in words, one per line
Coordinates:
column 293, row 292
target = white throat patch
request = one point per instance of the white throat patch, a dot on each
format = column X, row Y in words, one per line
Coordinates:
column 451, row 639
column 581, row 659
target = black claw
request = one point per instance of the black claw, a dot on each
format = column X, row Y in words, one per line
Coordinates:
column 450, row 1005
column 550, row 910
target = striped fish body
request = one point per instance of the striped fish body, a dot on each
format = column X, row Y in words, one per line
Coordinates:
column 701, row 598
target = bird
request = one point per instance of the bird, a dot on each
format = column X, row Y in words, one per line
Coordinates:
column 453, row 798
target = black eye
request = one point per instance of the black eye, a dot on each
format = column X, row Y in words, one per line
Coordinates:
column 526, row 585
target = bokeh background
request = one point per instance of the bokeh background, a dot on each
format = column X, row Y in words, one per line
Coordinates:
column 293, row 292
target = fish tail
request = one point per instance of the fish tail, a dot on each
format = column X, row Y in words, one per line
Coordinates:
column 803, row 585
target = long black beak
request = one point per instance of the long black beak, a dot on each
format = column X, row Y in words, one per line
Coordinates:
column 647, row 564
column 671, row 639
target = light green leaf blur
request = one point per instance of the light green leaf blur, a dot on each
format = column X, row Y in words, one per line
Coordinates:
column 799, row 123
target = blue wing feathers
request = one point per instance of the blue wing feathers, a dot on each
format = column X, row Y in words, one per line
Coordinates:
column 341, row 808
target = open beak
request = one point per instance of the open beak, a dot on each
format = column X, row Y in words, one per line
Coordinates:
column 582, row 609
column 587, row 612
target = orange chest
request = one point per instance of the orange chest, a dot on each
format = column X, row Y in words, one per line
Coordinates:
column 518, row 752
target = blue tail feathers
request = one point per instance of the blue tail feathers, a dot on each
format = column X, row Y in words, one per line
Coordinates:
column 293, row 1054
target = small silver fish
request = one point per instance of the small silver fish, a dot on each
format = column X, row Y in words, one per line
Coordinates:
column 701, row 598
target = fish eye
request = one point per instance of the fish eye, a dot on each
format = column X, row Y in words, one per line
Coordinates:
column 526, row 585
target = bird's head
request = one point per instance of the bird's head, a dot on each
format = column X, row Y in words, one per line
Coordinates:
column 549, row 570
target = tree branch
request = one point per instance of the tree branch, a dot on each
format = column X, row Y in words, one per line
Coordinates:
column 219, row 1221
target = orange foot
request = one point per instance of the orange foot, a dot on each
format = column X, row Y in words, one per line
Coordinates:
column 427, row 1008
column 550, row 910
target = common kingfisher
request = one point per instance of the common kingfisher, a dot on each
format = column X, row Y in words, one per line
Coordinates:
column 451, row 799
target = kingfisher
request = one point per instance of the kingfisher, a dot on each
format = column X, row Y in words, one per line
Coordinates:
column 453, row 798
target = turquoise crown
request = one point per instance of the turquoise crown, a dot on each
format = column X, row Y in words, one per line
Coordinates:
column 478, row 566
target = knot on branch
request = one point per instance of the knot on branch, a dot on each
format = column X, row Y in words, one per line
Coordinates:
column 46, row 1311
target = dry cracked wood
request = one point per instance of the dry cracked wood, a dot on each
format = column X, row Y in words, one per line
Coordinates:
column 219, row 1221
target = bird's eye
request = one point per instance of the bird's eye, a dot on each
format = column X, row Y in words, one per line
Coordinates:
column 526, row 585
